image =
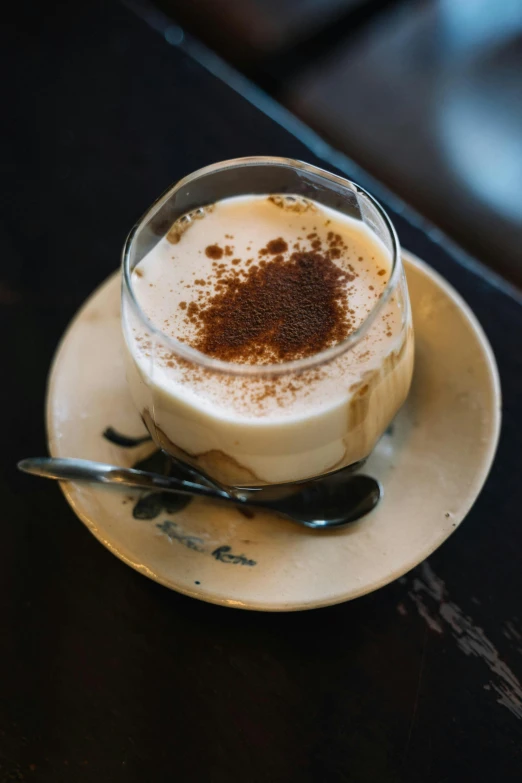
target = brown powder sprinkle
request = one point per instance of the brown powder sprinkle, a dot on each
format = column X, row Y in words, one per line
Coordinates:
column 214, row 251
column 192, row 311
column 279, row 311
column 274, row 247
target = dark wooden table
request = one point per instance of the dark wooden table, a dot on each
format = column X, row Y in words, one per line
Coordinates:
column 106, row 676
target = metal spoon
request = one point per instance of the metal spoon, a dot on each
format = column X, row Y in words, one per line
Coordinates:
column 332, row 502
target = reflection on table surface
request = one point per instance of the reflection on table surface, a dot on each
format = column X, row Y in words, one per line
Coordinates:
column 425, row 95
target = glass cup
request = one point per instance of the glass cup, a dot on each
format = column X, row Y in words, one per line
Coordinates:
column 336, row 403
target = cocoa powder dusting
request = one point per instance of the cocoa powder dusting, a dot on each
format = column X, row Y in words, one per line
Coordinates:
column 279, row 310
column 276, row 246
column 214, row 251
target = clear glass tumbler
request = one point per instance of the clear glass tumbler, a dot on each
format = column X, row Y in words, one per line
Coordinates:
column 337, row 403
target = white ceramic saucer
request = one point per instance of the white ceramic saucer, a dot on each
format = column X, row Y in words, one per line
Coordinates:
column 432, row 464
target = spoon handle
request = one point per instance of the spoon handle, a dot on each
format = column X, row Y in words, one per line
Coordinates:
column 86, row 470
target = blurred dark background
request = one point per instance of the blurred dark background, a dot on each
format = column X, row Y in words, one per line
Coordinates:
column 425, row 94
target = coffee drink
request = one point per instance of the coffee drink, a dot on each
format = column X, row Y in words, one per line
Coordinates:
column 271, row 346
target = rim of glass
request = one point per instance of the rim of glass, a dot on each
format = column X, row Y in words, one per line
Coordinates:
column 235, row 368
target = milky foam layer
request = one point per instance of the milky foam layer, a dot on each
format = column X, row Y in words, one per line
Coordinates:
column 178, row 281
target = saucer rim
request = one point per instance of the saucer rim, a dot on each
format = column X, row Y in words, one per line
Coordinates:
column 203, row 595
